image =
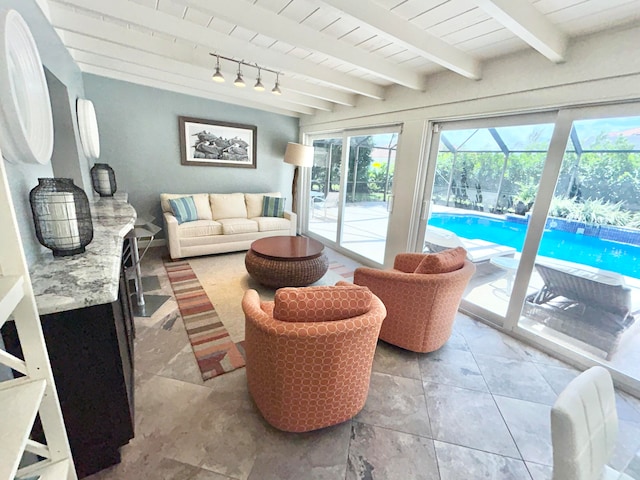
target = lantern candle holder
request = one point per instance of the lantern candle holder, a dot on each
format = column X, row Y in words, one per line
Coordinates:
column 103, row 179
column 61, row 216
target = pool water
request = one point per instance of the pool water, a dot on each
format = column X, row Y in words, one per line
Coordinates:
column 617, row 257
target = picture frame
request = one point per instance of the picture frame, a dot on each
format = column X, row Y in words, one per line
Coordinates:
column 215, row 143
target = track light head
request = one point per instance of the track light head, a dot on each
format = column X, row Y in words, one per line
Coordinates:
column 258, row 87
column 239, row 81
column 217, row 76
column 276, row 88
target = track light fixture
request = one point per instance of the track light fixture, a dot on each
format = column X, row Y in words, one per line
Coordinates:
column 239, row 81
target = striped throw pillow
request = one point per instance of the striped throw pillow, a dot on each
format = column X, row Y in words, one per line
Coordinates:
column 273, row 206
column 184, row 209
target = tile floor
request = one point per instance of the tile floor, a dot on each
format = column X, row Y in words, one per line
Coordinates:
column 477, row 408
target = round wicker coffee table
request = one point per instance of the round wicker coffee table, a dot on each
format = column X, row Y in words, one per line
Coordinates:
column 286, row 261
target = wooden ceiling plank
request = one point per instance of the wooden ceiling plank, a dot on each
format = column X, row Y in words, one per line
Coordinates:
column 474, row 31
column 460, row 22
column 297, row 10
column 422, row 43
column 444, row 12
column 413, row 8
column 625, row 12
column 195, row 16
column 158, row 21
column 263, row 21
column 525, row 21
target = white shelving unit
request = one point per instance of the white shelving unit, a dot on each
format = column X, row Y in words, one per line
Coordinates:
column 21, row 399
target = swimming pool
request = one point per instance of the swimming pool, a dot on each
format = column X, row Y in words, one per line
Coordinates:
column 618, row 257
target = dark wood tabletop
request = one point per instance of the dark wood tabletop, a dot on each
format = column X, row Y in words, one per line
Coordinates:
column 287, row 248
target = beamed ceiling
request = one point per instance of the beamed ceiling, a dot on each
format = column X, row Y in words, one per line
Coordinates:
column 329, row 51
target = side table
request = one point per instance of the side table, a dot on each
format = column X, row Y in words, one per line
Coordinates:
column 143, row 305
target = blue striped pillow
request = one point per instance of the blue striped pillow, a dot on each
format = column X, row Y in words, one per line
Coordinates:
column 184, row 209
column 273, row 206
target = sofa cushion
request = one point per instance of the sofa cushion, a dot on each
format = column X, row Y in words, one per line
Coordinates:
column 228, row 205
column 200, row 228
column 184, row 209
column 443, row 262
column 269, row 224
column 273, row 206
column 321, row 304
column 200, row 199
column 254, row 202
column 231, row 226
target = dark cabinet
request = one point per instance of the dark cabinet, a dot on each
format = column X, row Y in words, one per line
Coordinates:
column 91, row 354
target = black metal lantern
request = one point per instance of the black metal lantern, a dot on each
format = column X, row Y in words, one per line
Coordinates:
column 103, row 179
column 61, row 216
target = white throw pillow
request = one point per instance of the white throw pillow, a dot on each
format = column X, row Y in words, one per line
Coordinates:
column 228, row 205
column 254, row 203
column 200, row 199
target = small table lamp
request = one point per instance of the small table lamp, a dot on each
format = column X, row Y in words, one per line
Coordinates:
column 300, row 156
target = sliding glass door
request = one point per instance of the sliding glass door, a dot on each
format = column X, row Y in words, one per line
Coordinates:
column 351, row 190
column 548, row 208
column 325, row 188
column 486, row 179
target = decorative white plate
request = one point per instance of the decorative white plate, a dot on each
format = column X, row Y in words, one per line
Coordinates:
column 26, row 124
column 88, row 126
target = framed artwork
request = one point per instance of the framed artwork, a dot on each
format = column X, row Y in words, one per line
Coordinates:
column 217, row 144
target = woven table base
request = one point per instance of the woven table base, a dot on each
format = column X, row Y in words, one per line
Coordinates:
column 278, row 273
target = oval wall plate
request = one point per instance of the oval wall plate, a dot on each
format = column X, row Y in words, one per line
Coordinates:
column 26, row 124
column 88, row 126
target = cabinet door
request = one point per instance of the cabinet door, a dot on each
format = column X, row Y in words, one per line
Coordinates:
column 89, row 372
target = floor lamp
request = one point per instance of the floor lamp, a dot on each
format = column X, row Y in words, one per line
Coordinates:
column 300, row 156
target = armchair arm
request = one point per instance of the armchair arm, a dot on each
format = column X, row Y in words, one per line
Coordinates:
column 171, row 232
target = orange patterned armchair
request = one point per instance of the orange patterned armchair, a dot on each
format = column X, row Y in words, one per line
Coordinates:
column 309, row 353
column 422, row 294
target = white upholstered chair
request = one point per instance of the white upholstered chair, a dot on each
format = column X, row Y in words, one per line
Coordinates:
column 584, row 428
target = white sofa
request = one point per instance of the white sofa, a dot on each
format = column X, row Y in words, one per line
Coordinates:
column 227, row 222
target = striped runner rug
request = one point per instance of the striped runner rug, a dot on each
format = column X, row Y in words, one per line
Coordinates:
column 214, row 350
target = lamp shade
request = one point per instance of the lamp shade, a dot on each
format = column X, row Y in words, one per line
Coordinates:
column 299, row 155
column 61, row 216
column 103, row 179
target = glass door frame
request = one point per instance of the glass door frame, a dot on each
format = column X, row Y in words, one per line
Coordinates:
column 345, row 134
column 436, row 129
column 563, row 119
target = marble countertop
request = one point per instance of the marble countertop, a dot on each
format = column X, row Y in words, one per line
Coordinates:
column 90, row 278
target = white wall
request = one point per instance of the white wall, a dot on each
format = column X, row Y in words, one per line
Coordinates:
column 599, row 68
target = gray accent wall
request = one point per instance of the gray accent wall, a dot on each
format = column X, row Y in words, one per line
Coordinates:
column 139, row 138
column 68, row 163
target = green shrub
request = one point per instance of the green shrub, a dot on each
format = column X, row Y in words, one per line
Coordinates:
column 592, row 211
